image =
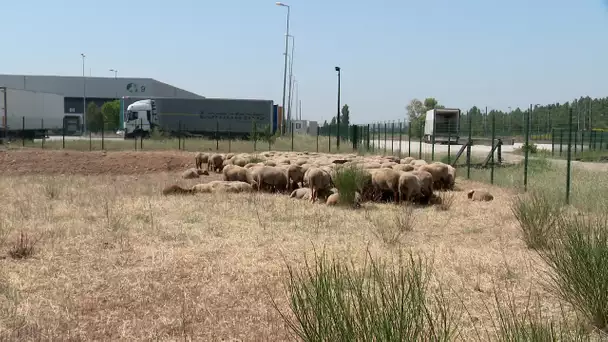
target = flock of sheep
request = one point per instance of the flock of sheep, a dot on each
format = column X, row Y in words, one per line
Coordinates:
column 313, row 176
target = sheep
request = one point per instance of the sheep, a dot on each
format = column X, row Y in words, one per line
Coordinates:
column 317, row 179
column 440, row 174
column 193, row 173
column 480, row 195
column 270, row 177
column 200, row 159
column 176, row 190
column 403, row 167
column 409, row 186
column 426, row 185
column 301, row 193
column 295, row 175
column 387, row 180
column 236, row 173
column 215, row 163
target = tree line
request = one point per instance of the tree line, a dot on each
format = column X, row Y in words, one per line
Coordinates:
column 588, row 114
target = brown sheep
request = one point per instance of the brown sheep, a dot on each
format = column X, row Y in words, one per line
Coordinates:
column 200, row 159
column 406, row 160
column 451, row 177
column 176, row 190
column 387, row 165
column 403, row 167
column 426, row 185
column 270, row 177
column 317, row 179
column 222, row 186
column 440, row 174
column 295, row 175
column 301, row 193
column 334, row 199
column 418, row 162
column 236, row 173
column 193, row 173
column 409, row 186
column 216, row 163
column 480, row 195
column 387, row 180
column 240, row 161
column 301, row 161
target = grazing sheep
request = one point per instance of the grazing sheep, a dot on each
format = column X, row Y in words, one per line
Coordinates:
column 451, row 182
column 480, row 195
column 317, row 179
column 216, row 163
column 409, row 186
column 406, row 160
column 176, row 190
column 403, row 167
column 236, row 173
column 295, row 174
column 440, row 174
column 426, row 185
column 418, row 162
column 334, row 199
column 240, row 161
column 387, row 180
column 200, row 159
column 271, row 178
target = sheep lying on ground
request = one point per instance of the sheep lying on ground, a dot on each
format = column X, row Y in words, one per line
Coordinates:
column 480, row 195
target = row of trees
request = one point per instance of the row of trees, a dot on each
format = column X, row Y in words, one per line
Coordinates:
column 588, row 114
column 106, row 117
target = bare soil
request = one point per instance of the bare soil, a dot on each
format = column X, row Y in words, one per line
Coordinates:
column 35, row 161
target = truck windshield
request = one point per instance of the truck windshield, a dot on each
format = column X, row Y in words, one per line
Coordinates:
column 132, row 116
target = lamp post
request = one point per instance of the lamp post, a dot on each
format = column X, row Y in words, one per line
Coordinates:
column 291, row 80
column 115, row 79
column 84, row 97
column 338, row 115
column 285, row 66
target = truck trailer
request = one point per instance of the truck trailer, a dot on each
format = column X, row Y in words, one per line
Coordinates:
column 208, row 117
column 31, row 114
column 442, row 126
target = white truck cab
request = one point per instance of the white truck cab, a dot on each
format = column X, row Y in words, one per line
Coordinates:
column 140, row 118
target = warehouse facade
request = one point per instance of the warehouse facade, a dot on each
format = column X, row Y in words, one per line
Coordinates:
column 96, row 89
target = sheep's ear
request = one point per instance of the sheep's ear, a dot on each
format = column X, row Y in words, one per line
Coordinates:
column 470, row 194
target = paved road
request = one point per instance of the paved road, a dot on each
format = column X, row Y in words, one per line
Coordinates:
column 77, row 138
column 426, row 148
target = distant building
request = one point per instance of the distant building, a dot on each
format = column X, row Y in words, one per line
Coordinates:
column 305, row 127
column 96, row 89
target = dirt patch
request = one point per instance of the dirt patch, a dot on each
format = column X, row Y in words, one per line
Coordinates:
column 21, row 162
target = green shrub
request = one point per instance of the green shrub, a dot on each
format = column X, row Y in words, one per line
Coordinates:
column 332, row 301
column 537, row 214
column 350, row 180
column 513, row 325
column 531, row 147
column 579, row 259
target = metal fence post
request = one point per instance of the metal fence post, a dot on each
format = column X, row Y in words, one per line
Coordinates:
column 292, row 127
column 409, row 139
column 317, row 139
column 103, row 127
column 469, row 144
column 392, row 138
column 400, row 135
column 385, row 138
column 217, row 135
column 44, row 137
column 63, row 135
column 561, row 141
column 420, row 145
column 449, row 144
column 22, row 131
column 493, row 142
column 367, row 138
column 569, row 159
column 433, row 141
column 552, row 142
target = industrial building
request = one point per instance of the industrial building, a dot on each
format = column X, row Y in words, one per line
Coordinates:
column 95, row 89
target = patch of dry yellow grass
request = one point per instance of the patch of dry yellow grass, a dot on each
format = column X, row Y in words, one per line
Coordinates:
column 118, row 261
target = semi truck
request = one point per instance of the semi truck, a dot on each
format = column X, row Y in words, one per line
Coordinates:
column 31, row 114
column 208, row 117
column 442, row 126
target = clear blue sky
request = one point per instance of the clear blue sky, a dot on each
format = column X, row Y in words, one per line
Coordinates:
column 462, row 52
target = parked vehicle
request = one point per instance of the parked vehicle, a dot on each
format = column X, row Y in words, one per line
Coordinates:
column 442, row 126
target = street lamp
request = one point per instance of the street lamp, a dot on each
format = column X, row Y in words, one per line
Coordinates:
column 338, row 116
column 84, row 97
column 291, row 80
column 115, row 79
column 286, row 47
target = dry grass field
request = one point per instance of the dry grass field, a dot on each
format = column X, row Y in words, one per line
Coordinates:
column 113, row 259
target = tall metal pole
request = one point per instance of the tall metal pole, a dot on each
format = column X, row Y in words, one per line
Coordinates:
column 84, row 97
column 338, row 115
column 115, row 79
column 291, row 80
column 527, row 147
column 285, row 66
